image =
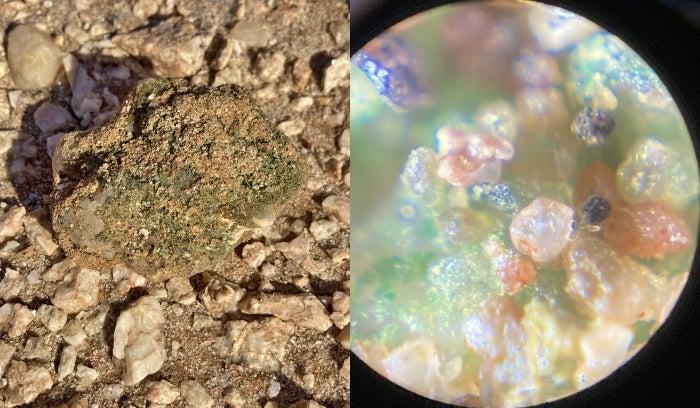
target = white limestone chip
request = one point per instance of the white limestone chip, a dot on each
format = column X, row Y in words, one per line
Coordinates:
column 299, row 251
column 161, row 392
column 39, row 235
column 11, row 222
column 341, row 309
column 52, row 317
column 180, row 290
column 86, row 377
column 38, row 348
column 25, row 382
column 323, row 229
column 339, row 207
column 259, row 345
column 33, row 57
column 304, row 309
column 67, row 363
column 11, row 284
column 337, row 74
column 14, row 318
column 73, row 333
column 7, row 350
column 255, row 253
column 78, row 291
column 220, row 297
column 273, row 389
column 139, row 342
column 50, row 117
column 125, row 279
column 195, row 394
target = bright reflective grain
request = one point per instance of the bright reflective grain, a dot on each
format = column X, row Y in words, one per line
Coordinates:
column 525, row 203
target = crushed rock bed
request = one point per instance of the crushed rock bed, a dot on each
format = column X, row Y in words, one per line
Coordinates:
column 268, row 326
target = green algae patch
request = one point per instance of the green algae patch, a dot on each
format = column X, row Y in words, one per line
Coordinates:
column 174, row 181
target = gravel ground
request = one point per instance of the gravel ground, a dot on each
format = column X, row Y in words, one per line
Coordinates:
column 266, row 327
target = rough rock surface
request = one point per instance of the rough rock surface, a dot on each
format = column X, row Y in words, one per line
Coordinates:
column 139, row 340
column 304, row 310
column 179, row 167
column 33, row 57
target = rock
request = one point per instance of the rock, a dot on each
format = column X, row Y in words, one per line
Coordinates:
column 516, row 272
column 337, row 74
column 94, row 319
column 11, row 284
column 67, row 363
column 220, row 297
column 292, row 128
column 125, row 279
column 86, row 377
column 653, row 171
column 180, row 290
column 52, row 317
column 338, row 207
column 269, row 66
column 595, row 210
column 647, row 230
column 542, row 229
column 50, row 117
column 78, row 291
column 5, row 107
column 591, row 126
column 304, row 309
column 33, row 57
column 25, row 382
column 38, row 234
column 556, row 29
column 11, row 222
column 175, row 46
column 106, row 191
column 38, row 348
column 298, row 250
column 7, row 350
column 73, row 333
column 344, row 337
column 139, row 342
column 143, row 9
column 251, row 34
column 597, row 180
column 161, row 392
column 14, row 319
column 345, row 370
column 605, row 285
column 273, row 389
column 255, row 253
column 323, row 229
column 341, row 309
column 259, row 345
column 340, row 31
column 195, row 394
column 202, row 321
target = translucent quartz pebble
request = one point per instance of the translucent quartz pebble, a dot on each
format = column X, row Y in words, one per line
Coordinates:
column 419, row 173
column 653, row 171
column 605, row 284
column 591, row 126
column 499, row 196
column 647, row 230
column 556, row 29
column 390, row 66
column 542, row 229
column 536, row 69
column 597, row 180
column 605, row 347
column 541, row 109
column 497, row 118
column 592, row 92
column 418, row 366
column 466, row 158
column 33, row 57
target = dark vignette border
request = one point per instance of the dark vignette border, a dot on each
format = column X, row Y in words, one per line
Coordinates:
column 666, row 372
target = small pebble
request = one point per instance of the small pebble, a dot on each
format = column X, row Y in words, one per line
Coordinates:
column 33, row 57
column 250, row 33
column 50, row 117
column 161, row 392
column 195, row 394
column 67, row 363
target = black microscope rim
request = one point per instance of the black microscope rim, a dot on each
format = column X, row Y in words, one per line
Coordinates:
column 666, row 371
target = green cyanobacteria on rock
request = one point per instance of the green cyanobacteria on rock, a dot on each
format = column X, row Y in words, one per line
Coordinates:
column 166, row 186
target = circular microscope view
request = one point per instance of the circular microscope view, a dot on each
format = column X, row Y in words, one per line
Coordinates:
column 525, row 203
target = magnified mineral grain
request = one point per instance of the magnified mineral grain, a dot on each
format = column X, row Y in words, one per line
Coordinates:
column 170, row 185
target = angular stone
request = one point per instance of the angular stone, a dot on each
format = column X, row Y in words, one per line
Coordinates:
column 556, row 29
column 34, row 58
column 50, row 117
column 542, row 229
column 647, row 230
column 78, row 291
column 163, row 185
column 220, row 297
column 25, row 382
column 139, row 342
column 304, row 310
column 7, row 350
column 161, row 392
column 66, row 364
column 195, row 394
column 14, row 319
column 260, row 345
column 606, row 285
column 651, row 170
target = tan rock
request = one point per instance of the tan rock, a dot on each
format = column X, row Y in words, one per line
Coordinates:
column 338, row 207
column 11, row 222
column 33, row 57
column 161, row 392
column 7, row 350
column 341, row 309
column 78, row 291
column 260, row 345
column 304, row 309
column 220, row 297
column 14, row 318
column 180, row 290
column 195, row 394
column 25, row 382
column 67, row 363
column 139, row 342
column 52, row 317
